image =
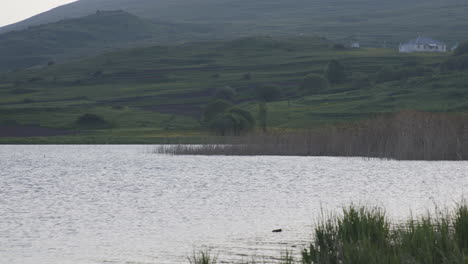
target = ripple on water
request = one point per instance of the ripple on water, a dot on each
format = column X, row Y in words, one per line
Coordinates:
column 122, row 204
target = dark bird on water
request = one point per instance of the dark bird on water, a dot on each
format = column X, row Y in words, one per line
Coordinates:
column 277, row 231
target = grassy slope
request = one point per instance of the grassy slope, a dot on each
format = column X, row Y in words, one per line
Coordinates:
column 155, row 92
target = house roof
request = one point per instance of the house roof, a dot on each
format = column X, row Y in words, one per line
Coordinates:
column 425, row 41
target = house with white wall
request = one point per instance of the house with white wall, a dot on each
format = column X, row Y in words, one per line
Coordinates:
column 423, row 44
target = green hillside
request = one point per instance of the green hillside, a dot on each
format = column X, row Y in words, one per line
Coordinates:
column 101, row 31
column 147, row 93
column 375, row 22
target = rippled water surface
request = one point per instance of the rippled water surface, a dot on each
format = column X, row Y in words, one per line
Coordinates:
column 123, row 204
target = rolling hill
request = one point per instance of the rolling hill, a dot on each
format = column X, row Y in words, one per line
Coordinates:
column 85, row 36
column 375, row 22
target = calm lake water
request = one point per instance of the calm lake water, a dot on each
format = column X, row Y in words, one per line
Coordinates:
column 123, row 204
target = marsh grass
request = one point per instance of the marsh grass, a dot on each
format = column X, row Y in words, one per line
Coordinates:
column 407, row 135
column 363, row 235
column 202, row 257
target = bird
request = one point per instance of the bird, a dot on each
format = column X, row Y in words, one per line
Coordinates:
column 277, row 231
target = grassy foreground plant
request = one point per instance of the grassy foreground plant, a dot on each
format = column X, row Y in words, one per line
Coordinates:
column 363, row 235
column 202, row 257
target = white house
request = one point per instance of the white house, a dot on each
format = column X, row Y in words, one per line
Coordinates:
column 422, row 44
column 355, row 45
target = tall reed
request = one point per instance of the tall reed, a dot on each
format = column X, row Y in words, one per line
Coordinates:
column 407, row 135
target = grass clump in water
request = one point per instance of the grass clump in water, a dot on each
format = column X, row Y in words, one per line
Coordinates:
column 363, row 235
column 202, row 257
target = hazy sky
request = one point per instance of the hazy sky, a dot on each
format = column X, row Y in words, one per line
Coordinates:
column 12, row 11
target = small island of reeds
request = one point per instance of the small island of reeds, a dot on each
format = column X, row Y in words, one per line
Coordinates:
column 407, row 135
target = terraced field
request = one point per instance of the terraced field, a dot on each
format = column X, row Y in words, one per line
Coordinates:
column 152, row 94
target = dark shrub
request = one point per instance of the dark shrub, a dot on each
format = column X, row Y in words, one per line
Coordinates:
column 313, row 84
column 459, row 63
column 233, row 121
column 214, row 108
column 91, row 121
column 339, row 46
column 335, row 72
column 462, row 49
column 267, row 93
column 225, row 93
column 97, row 73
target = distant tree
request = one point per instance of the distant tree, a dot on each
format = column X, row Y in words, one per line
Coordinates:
column 458, row 63
column 462, row 49
column 91, row 121
column 214, row 108
column 225, row 93
column 233, row 121
column 335, row 72
column 313, row 84
column 262, row 115
column 268, row 93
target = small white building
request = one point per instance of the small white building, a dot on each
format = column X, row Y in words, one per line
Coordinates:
column 355, row 45
column 422, row 44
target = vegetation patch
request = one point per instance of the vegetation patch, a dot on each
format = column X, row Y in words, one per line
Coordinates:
column 406, row 135
column 364, row 235
column 92, row 121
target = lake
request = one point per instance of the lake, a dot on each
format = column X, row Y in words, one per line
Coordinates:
column 124, row 204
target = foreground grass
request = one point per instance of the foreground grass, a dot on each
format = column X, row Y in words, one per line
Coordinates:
column 364, row 235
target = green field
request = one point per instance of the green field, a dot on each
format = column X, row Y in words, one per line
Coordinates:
column 150, row 94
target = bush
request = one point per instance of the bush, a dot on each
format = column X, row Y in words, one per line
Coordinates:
column 313, row 84
column 459, row 63
column 365, row 235
column 462, row 49
column 91, row 121
column 233, row 121
column 225, row 93
column 339, row 47
column 214, row 108
column 267, row 93
column 335, row 72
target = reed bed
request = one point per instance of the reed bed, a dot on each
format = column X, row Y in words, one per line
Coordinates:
column 407, row 135
column 363, row 235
